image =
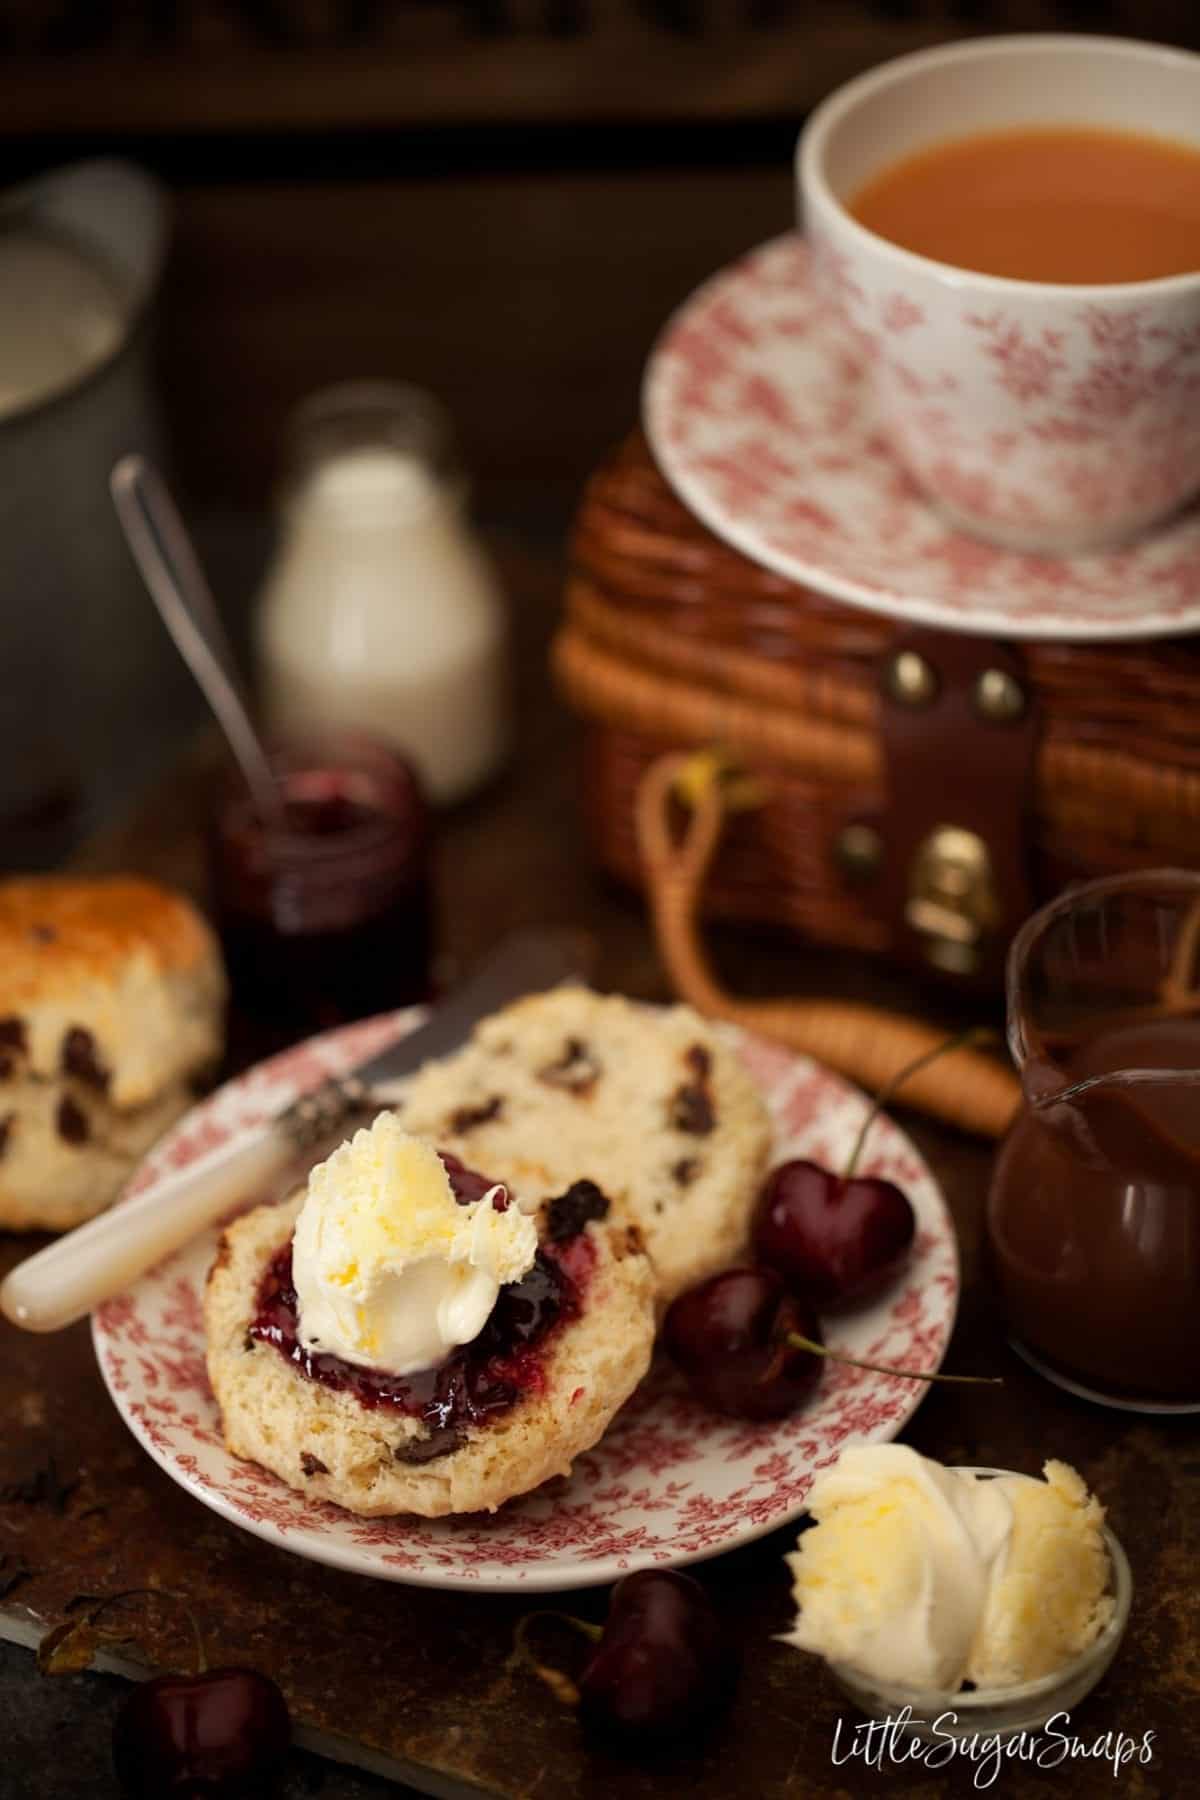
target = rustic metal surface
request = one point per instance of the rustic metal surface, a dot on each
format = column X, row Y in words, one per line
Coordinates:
column 424, row 1676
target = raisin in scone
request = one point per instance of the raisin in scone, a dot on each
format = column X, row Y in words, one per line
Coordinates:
column 112, row 998
column 649, row 1102
column 499, row 1411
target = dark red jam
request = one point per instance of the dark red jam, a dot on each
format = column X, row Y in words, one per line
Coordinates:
column 325, row 914
column 478, row 1379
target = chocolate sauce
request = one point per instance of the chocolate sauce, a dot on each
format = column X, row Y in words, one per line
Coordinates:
column 1094, row 1214
column 479, row 1379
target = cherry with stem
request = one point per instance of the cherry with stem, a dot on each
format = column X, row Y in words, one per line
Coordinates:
column 660, row 1664
column 220, row 1732
column 840, row 1239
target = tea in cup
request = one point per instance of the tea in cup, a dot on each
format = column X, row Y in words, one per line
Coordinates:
column 1011, row 228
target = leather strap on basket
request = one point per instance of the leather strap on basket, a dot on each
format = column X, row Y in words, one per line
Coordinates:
column 960, row 733
column 871, row 1046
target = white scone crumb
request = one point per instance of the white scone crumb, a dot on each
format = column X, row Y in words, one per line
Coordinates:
column 112, row 997
column 651, row 1103
column 327, row 1444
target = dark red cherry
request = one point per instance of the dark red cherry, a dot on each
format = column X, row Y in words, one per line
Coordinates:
column 221, row 1733
column 663, row 1662
column 838, row 1241
column 729, row 1338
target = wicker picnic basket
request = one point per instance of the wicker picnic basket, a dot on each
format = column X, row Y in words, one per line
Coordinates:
column 878, row 754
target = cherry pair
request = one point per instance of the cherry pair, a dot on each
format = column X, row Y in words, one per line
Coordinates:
column 749, row 1340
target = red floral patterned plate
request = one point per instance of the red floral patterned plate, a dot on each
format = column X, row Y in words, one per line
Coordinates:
column 757, row 410
column 668, row 1484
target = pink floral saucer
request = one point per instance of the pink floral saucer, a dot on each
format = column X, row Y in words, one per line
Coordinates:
column 758, row 413
column 670, row 1482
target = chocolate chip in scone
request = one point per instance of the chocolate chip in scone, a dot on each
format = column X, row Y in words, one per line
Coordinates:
column 6, row 1125
column 567, row 1216
column 12, row 1033
column 80, row 1058
column 72, row 1121
column 685, row 1171
column 577, row 1069
column 312, row 1465
column 443, row 1440
column 467, row 1117
column 248, row 1342
column 691, row 1108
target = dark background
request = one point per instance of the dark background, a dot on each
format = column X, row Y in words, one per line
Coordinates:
column 499, row 198
column 502, row 200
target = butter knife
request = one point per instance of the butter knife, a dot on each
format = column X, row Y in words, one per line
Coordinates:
column 60, row 1284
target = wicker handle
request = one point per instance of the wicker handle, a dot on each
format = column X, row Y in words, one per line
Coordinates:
column 871, row 1046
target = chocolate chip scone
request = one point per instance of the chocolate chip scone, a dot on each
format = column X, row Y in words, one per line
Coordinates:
column 563, row 1349
column 651, row 1103
column 112, row 1002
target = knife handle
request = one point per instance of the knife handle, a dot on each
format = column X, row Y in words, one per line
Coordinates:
column 89, row 1265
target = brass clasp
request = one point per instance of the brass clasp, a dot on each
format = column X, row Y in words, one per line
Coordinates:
column 952, row 900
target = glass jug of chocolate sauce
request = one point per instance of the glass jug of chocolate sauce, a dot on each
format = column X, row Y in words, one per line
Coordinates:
column 1094, row 1209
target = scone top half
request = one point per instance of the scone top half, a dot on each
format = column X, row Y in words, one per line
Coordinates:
column 552, row 1357
column 114, row 981
column 652, row 1103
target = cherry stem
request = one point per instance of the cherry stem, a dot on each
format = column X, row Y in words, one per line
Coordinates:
column 93, row 1617
column 795, row 1341
column 557, row 1680
column 974, row 1034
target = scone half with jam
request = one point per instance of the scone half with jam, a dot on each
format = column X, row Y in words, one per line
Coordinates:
column 407, row 1335
column 651, row 1103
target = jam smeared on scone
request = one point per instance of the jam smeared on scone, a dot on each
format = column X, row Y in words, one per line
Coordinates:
column 479, row 1379
column 468, row 1184
column 439, row 1340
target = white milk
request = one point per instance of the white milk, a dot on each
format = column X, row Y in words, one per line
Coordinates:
column 381, row 613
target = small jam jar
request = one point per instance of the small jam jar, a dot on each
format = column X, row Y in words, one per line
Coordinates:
column 326, row 915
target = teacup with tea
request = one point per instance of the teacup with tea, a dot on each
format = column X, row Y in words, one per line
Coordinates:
column 1011, row 227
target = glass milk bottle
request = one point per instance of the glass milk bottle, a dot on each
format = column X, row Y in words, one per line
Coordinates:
column 380, row 610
